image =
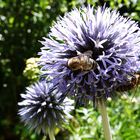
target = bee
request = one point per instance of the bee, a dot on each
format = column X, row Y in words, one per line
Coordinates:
column 133, row 83
column 82, row 62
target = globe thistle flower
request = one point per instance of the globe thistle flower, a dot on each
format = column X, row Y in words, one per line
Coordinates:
column 90, row 52
column 42, row 109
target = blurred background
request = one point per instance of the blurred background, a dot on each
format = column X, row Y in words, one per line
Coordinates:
column 22, row 24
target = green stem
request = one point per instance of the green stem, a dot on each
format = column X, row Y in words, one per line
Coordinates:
column 51, row 135
column 105, row 121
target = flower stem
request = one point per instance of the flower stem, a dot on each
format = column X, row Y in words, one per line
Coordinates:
column 105, row 121
column 51, row 135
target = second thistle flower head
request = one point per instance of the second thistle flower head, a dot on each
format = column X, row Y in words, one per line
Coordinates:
column 42, row 109
column 90, row 53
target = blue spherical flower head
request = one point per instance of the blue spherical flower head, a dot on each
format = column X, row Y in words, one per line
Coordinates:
column 90, row 52
column 42, row 109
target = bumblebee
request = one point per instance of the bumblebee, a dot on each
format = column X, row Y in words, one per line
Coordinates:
column 82, row 62
column 133, row 83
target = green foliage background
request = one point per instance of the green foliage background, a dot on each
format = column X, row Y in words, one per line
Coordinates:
column 22, row 24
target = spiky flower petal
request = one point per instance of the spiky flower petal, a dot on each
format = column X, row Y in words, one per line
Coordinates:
column 43, row 109
column 85, row 36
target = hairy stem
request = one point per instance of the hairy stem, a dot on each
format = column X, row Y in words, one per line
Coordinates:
column 105, row 121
